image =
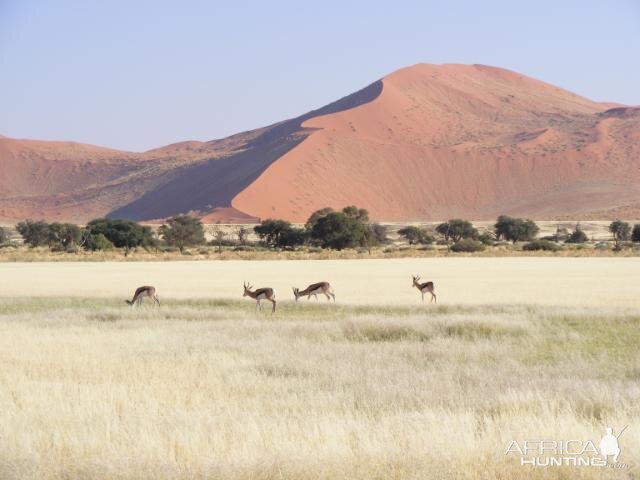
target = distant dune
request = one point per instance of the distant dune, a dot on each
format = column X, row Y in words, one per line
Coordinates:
column 427, row 142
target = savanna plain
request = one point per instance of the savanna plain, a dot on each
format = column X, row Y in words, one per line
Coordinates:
column 375, row 386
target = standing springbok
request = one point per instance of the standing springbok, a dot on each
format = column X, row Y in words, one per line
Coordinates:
column 258, row 294
column 142, row 292
column 424, row 287
column 314, row 289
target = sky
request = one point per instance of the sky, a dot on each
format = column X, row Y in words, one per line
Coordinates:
column 140, row 74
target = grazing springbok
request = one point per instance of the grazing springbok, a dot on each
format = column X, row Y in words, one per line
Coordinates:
column 258, row 294
column 142, row 292
column 314, row 289
column 424, row 287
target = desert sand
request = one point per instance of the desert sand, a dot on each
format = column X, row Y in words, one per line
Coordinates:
column 427, row 142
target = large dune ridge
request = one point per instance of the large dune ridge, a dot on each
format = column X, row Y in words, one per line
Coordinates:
column 427, row 142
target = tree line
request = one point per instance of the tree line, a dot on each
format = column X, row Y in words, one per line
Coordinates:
column 350, row 227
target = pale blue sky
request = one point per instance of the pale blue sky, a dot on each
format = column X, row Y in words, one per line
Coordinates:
column 141, row 74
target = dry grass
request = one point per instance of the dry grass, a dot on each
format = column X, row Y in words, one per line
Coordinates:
column 597, row 282
column 208, row 389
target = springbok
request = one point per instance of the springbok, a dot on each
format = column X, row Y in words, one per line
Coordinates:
column 424, row 287
column 258, row 294
column 314, row 289
column 142, row 292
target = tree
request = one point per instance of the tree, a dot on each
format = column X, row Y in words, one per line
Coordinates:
column 378, row 233
column 183, row 231
column 515, row 229
column 635, row 234
column 457, row 229
column 242, row 233
column 218, row 237
column 271, row 230
column 415, row 235
column 34, row 234
column 64, row 235
column 98, row 242
column 125, row 234
column 315, row 216
column 292, row 237
column 338, row 231
column 621, row 232
column 359, row 214
column 577, row 236
column 4, row 236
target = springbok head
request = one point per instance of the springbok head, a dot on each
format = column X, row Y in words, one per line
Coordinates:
column 247, row 287
column 296, row 293
column 416, row 279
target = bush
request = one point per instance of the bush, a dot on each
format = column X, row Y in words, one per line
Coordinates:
column 4, row 236
column 635, row 233
column 487, row 238
column 183, row 231
column 457, row 229
column 577, row 236
column 515, row 229
column 542, row 245
column 467, row 245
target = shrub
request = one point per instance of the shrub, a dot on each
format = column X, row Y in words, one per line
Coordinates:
column 487, row 238
column 577, row 236
column 541, row 245
column 467, row 245
column 635, row 233
column 183, row 231
column 457, row 229
column 515, row 229
column 4, row 236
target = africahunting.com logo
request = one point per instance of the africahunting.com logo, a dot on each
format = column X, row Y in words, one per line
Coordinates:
column 572, row 452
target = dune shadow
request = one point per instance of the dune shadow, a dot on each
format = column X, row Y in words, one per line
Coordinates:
column 214, row 183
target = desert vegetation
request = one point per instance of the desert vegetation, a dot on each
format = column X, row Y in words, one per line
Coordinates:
column 208, row 389
column 348, row 233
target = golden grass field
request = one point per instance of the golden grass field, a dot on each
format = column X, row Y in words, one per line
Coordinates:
column 204, row 387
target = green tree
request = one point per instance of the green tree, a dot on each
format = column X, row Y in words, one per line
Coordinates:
column 577, row 236
column 315, row 216
column 183, row 231
column 125, row 234
column 98, row 242
column 635, row 234
column 338, row 230
column 515, row 229
column 4, row 236
column 64, row 235
column 621, row 232
column 457, row 229
column 415, row 235
column 271, row 231
column 34, row 234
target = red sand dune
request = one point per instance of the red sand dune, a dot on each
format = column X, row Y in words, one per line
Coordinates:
column 427, row 142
